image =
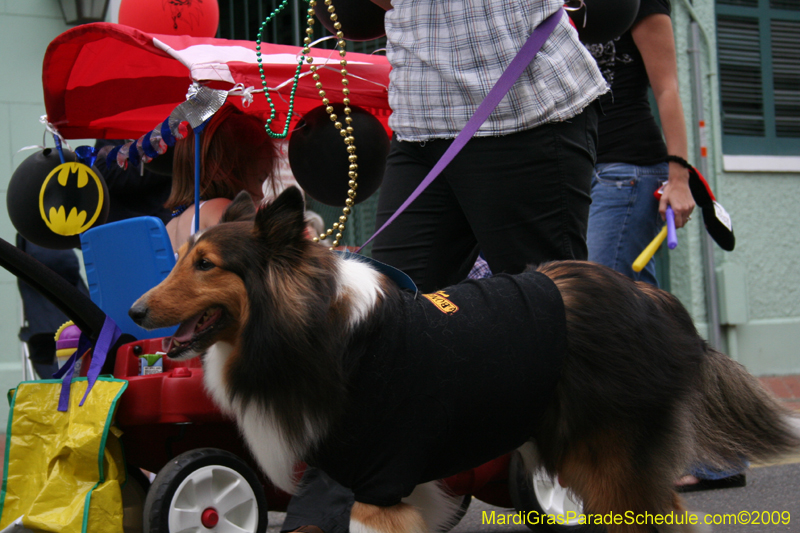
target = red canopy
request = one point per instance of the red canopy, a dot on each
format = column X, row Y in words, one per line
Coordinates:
column 112, row 81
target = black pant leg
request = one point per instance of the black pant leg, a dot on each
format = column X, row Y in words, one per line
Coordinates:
column 527, row 195
column 520, row 199
column 431, row 240
column 320, row 502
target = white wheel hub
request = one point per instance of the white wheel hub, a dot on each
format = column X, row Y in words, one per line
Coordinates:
column 555, row 500
column 215, row 496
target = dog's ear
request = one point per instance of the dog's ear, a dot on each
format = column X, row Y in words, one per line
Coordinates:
column 241, row 208
column 282, row 221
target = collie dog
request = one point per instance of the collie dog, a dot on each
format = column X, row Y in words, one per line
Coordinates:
column 320, row 357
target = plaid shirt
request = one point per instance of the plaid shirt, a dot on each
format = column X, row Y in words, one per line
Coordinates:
column 480, row 269
column 447, row 54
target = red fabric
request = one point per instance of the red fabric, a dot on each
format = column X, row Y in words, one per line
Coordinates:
column 112, row 81
column 471, row 481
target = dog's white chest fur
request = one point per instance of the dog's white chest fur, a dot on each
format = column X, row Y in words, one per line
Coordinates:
column 361, row 284
column 258, row 426
column 274, row 453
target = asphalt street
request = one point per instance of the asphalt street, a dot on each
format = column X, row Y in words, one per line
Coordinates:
column 772, row 493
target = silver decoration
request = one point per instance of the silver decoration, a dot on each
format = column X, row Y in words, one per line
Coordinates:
column 200, row 105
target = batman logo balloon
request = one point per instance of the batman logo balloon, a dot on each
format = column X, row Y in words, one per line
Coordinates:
column 71, row 199
column 51, row 202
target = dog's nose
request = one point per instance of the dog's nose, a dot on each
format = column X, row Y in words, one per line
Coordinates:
column 138, row 312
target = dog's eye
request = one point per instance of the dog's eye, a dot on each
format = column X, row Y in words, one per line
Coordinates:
column 204, row 264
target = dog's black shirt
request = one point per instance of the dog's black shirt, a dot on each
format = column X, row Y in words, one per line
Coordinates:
column 458, row 378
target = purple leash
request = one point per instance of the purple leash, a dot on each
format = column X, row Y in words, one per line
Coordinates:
column 497, row 93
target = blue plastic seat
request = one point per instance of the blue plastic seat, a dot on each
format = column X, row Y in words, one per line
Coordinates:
column 123, row 260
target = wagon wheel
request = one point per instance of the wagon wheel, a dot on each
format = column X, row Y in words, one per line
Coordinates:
column 536, row 495
column 206, row 488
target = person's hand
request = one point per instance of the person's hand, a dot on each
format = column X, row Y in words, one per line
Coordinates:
column 677, row 194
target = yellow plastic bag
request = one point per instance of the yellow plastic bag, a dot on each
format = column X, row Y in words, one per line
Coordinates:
column 63, row 470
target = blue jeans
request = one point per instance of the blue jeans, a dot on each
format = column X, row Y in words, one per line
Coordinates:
column 623, row 217
column 704, row 472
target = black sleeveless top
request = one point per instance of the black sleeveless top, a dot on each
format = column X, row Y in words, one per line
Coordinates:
column 628, row 132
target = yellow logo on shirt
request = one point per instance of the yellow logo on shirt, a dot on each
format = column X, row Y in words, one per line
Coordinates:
column 440, row 300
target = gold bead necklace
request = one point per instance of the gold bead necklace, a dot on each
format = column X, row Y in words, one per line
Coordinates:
column 346, row 129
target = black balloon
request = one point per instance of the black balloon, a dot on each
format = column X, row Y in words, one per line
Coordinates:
column 50, row 203
column 361, row 20
column 600, row 21
column 320, row 162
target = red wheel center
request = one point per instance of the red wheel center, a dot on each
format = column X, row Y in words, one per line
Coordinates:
column 210, row 518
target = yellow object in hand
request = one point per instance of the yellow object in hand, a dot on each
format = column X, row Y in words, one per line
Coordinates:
column 650, row 251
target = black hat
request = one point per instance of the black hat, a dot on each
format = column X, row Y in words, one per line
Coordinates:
column 716, row 218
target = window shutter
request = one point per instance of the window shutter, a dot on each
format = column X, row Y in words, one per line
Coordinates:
column 792, row 5
column 786, row 75
column 740, row 76
column 740, row 3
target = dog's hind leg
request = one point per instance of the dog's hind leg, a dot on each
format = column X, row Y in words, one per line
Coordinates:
column 400, row 518
column 621, row 490
column 684, row 521
column 440, row 509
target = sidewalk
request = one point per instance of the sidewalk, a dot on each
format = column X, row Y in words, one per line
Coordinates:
column 786, row 388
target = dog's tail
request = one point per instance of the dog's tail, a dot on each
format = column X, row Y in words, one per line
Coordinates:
column 735, row 418
column 635, row 361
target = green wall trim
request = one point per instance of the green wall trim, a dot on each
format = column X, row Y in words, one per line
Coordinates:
column 770, row 346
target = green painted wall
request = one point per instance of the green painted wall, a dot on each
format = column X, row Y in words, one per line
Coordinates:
column 763, row 293
column 26, row 28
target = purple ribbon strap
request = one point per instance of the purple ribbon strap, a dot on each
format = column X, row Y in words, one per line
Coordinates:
column 108, row 336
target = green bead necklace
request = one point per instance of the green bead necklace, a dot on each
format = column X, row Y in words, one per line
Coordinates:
column 346, row 131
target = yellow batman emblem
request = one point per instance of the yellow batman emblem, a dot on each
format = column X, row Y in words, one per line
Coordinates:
column 71, row 199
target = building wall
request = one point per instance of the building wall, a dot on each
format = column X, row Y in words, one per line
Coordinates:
column 26, row 28
column 759, row 282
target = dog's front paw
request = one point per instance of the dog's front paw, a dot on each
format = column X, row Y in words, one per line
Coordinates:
column 400, row 518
